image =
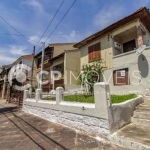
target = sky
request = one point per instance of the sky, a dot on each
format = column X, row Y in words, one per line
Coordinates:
column 31, row 17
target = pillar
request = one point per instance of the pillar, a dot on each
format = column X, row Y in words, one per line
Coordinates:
column 4, row 87
column 139, row 36
column 59, row 95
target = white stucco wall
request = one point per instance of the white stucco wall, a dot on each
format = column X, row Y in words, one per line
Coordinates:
column 135, row 63
column 90, row 125
column 122, row 113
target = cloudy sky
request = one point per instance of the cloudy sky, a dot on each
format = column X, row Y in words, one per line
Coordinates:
column 31, row 17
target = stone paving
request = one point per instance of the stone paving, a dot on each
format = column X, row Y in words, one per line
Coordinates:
column 22, row 131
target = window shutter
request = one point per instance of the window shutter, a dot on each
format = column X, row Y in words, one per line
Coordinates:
column 90, row 54
column 94, row 51
column 98, row 50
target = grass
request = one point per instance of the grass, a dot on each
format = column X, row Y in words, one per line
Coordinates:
column 122, row 98
column 90, row 99
column 49, row 98
column 79, row 98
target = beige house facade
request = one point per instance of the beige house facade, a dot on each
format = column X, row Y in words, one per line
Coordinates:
column 62, row 57
column 117, row 45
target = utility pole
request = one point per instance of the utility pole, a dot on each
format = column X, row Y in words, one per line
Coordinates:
column 42, row 62
column 31, row 79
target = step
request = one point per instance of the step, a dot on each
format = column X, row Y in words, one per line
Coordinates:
column 140, row 121
column 146, row 103
column 144, row 106
column 142, row 115
column 132, row 136
column 143, row 109
column 146, row 97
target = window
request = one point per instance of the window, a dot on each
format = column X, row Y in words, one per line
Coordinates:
column 49, row 53
column 94, row 52
column 38, row 62
column 129, row 46
column 20, row 64
column 121, row 77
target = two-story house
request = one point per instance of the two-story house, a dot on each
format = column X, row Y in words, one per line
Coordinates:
column 116, row 45
column 8, row 89
column 62, row 57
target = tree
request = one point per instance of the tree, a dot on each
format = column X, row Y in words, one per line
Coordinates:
column 91, row 73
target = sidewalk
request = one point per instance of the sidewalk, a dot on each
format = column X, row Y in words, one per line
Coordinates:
column 4, row 106
column 22, row 131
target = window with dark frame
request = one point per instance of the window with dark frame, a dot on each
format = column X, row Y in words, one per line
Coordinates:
column 121, row 77
column 94, row 52
column 38, row 62
column 129, row 46
column 49, row 54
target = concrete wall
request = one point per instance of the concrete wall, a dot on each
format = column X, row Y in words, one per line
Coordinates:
column 122, row 113
column 90, row 125
column 139, row 82
column 100, row 118
column 90, row 118
column 71, row 64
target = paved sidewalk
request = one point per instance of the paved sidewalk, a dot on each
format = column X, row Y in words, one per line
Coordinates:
column 22, row 131
column 4, row 106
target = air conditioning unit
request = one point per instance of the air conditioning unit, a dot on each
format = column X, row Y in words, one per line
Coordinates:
column 117, row 45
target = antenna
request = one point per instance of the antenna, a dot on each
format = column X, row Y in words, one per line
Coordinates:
column 140, row 49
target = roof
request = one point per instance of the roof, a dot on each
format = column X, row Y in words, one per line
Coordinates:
column 20, row 58
column 40, row 53
column 57, row 57
column 58, row 48
column 143, row 14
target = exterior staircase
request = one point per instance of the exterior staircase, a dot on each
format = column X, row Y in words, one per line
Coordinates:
column 136, row 135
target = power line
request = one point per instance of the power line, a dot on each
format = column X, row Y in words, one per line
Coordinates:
column 51, row 20
column 61, row 20
column 16, row 30
column 56, row 34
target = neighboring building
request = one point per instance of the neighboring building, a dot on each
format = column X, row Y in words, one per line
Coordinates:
column 116, row 45
column 61, row 57
column 8, row 91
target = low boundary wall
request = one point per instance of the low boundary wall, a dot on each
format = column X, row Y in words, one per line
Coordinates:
column 100, row 118
column 91, row 118
column 122, row 113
